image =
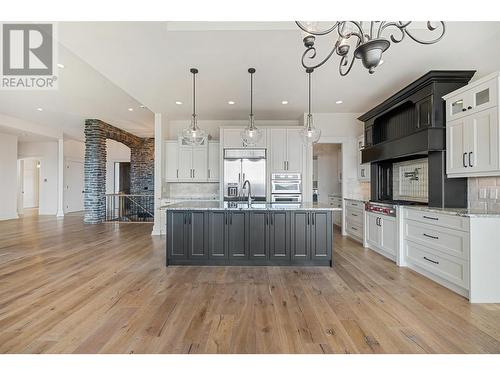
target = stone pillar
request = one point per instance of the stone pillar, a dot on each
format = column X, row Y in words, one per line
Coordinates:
column 142, row 159
column 95, row 172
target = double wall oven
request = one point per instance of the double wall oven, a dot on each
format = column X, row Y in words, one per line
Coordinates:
column 286, row 187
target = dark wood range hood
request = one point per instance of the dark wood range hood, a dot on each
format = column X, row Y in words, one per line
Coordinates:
column 412, row 124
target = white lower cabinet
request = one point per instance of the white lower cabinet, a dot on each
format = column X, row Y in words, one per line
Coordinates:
column 460, row 253
column 354, row 219
column 381, row 234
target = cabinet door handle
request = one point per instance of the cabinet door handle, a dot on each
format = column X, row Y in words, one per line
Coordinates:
column 231, row 218
column 430, row 218
column 428, row 235
column 208, row 173
column 469, row 107
column 271, row 218
column 284, row 165
column 470, row 157
column 353, row 214
column 184, row 218
column 193, row 173
column 190, row 217
column 430, row 260
column 464, row 109
column 463, row 159
column 267, row 219
column 225, row 217
column 308, row 218
column 177, row 173
column 353, row 228
column 313, row 215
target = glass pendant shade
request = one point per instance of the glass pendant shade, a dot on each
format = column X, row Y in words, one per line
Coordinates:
column 193, row 135
column 251, row 135
column 309, row 133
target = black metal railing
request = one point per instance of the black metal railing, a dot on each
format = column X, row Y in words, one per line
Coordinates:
column 129, row 208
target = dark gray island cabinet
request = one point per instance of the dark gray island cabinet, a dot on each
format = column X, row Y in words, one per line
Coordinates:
column 249, row 237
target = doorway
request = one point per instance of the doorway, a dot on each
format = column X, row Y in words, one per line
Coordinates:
column 28, row 186
column 73, row 185
column 122, row 178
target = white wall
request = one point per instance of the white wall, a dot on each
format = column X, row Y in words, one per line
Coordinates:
column 340, row 128
column 8, row 173
column 46, row 153
column 115, row 152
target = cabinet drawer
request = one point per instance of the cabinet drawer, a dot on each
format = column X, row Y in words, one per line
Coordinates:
column 354, row 215
column 447, row 221
column 355, row 204
column 354, row 229
column 447, row 241
column 454, row 270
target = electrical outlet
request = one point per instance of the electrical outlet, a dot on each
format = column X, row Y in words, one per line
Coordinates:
column 482, row 193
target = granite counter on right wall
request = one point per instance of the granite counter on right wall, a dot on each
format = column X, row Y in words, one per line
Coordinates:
column 484, row 193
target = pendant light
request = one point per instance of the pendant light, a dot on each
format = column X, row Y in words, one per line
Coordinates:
column 193, row 135
column 251, row 135
column 309, row 133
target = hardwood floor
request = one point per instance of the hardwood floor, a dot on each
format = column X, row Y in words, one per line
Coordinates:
column 66, row 287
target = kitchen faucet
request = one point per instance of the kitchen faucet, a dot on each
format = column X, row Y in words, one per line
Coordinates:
column 249, row 191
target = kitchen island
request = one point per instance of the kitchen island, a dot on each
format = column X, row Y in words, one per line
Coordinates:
column 236, row 233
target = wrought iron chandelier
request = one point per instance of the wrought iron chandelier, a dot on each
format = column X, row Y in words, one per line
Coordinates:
column 251, row 135
column 366, row 38
column 193, row 135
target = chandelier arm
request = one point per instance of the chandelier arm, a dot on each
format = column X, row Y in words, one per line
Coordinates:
column 317, row 33
column 313, row 55
column 430, row 27
column 399, row 26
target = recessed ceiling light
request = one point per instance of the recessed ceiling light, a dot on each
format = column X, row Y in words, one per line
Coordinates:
column 131, row 109
column 178, row 102
column 142, row 106
column 339, row 102
column 231, row 102
column 61, row 66
column 284, row 102
column 39, row 109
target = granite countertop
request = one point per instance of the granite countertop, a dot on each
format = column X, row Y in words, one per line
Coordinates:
column 464, row 212
column 236, row 206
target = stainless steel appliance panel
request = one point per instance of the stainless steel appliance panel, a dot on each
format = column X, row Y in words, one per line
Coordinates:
column 284, row 198
column 254, row 170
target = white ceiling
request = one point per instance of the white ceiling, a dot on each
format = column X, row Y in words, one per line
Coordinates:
column 151, row 61
column 133, row 63
column 83, row 93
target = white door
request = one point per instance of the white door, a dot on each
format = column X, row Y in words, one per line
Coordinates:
column 200, row 163
column 482, row 137
column 295, row 151
column 185, row 163
column 456, row 146
column 388, row 238
column 30, row 183
column 278, row 150
column 74, row 186
column 213, row 161
column 172, row 155
column 372, row 229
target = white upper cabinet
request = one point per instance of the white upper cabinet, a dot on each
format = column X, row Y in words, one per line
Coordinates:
column 171, row 162
column 472, row 129
column 213, row 161
column 286, row 150
column 185, row 163
column 363, row 169
column 232, row 139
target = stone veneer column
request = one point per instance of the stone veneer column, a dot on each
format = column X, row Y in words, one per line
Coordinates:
column 95, row 172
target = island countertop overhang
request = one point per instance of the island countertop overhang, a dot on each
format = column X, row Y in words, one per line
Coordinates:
column 243, row 206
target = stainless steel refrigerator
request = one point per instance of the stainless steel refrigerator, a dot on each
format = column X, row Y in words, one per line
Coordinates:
column 241, row 165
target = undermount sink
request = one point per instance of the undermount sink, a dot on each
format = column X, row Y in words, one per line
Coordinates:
column 244, row 205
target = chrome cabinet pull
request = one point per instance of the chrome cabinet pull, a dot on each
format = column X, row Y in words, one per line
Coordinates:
column 430, row 260
column 177, row 173
column 354, row 228
column 470, row 163
column 430, row 217
column 312, row 218
column 428, row 235
column 208, row 173
column 463, row 159
column 353, row 214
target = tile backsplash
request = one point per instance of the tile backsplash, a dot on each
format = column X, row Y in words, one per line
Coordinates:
column 191, row 190
column 410, row 180
column 484, row 193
